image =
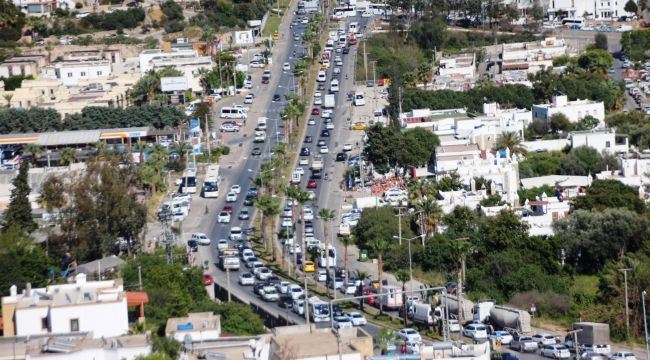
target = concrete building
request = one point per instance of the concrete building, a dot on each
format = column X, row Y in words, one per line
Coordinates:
column 568, row 186
column 72, row 72
column 573, row 110
column 436, row 120
column 529, row 57
column 198, row 327
column 598, row 9
column 546, row 145
column 458, row 65
column 97, row 307
column 542, row 212
column 113, row 55
column 601, row 140
column 186, row 60
column 23, row 65
column 449, row 158
column 298, row 343
column 75, row 347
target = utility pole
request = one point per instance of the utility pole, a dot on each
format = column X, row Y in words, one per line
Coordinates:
column 207, row 135
column 140, row 277
column 365, row 61
column 645, row 326
column 374, row 78
column 228, row 282
column 627, row 308
column 399, row 92
column 399, row 224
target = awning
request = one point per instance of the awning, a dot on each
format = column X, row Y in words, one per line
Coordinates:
column 136, row 298
column 515, row 66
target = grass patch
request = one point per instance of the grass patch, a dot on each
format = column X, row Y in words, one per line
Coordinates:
column 272, row 24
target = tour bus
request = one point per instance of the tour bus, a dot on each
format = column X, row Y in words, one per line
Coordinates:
column 572, row 23
column 233, row 113
column 353, row 28
column 380, row 9
column 347, row 11
column 211, row 183
column 327, row 256
column 188, row 183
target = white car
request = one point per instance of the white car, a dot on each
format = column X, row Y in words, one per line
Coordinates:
column 312, row 195
column 326, row 114
column 342, row 322
column 366, row 14
column 286, row 222
column 246, row 278
column 453, row 325
column 475, row 331
column 304, row 21
column 235, row 233
column 201, row 238
column 248, row 85
column 236, row 189
column 318, row 101
column 339, row 63
column 303, row 161
column 231, row 197
column 286, row 66
column 295, row 291
column 347, row 147
column 504, row 336
column 409, row 334
column 295, row 249
column 324, row 150
column 555, row 351
column 544, row 339
column 283, row 287
column 321, row 275
column 223, row 218
column 308, row 214
column 270, row 294
column 263, row 273
column 318, row 94
column 300, row 171
column 311, row 121
column 350, row 289
column 357, row 319
column 287, row 212
column 222, row 244
column 248, row 99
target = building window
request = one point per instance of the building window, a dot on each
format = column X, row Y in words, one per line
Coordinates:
column 44, row 323
column 99, row 73
column 607, row 144
column 83, row 73
column 69, row 75
column 74, row 325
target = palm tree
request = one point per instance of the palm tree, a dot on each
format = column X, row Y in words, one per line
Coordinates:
column 511, row 140
column 327, row 216
column 181, row 148
column 272, row 211
column 67, row 156
column 8, row 97
column 141, row 146
column 361, row 276
column 423, row 74
column 379, row 247
column 403, row 276
column 459, row 248
column 292, row 193
column 431, row 215
column 346, row 241
column 385, row 337
column 263, row 203
column 302, row 198
column 420, row 188
column 35, row 150
column 101, row 149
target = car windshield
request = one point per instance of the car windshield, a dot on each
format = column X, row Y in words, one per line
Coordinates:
column 410, row 332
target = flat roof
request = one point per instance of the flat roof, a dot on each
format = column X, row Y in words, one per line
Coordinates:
column 73, row 137
column 35, row 346
column 193, row 322
column 319, row 343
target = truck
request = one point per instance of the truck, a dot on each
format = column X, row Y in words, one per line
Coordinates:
column 510, row 319
column 317, row 162
column 229, row 259
column 344, row 229
column 353, row 39
column 482, row 309
column 368, row 201
column 426, row 314
column 452, row 304
column 391, row 298
column 589, row 333
column 330, row 101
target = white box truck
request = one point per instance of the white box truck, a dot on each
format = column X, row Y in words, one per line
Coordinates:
column 330, row 101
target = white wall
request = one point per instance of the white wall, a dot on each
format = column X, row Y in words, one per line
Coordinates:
column 72, row 74
column 198, row 336
column 28, row 321
column 148, row 55
column 103, row 319
column 599, row 140
column 100, row 354
column 574, row 111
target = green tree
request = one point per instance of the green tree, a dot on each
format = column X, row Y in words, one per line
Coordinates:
column 560, row 123
column 25, row 262
column 172, row 10
column 35, row 151
column 361, row 276
column 600, row 41
column 603, row 194
column 379, row 247
column 19, row 211
column 537, row 11
column 418, row 147
column 429, row 32
column 382, row 148
column 597, row 60
column 540, row 164
column 424, row 74
column 587, row 123
column 68, row 156
column 380, row 223
column 631, row 7
column 52, row 193
column 512, row 13
column 385, row 337
column 403, row 276
column 346, row 241
column 585, row 160
column 430, row 216
column 512, row 141
column 326, row 216
column 12, row 21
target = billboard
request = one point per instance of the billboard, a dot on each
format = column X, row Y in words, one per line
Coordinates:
column 173, row 83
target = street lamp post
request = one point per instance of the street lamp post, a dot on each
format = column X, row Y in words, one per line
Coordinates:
column 410, row 258
column 645, row 326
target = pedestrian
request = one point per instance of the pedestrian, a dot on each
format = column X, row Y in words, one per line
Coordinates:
column 404, row 348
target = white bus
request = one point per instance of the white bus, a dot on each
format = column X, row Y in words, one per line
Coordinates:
column 380, row 9
column 233, row 113
column 347, row 11
column 353, row 28
column 211, row 183
column 572, row 23
column 188, row 182
column 327, row 256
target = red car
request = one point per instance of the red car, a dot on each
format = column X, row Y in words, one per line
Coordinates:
column 370, row 300
column 315, row 111
column 207, row 279
column 227, row 209
column 312, row 184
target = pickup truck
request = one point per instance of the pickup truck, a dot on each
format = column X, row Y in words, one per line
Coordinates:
column 317, row 162
column 524, row 344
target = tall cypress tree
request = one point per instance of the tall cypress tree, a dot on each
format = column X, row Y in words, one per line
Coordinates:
column 19, row 212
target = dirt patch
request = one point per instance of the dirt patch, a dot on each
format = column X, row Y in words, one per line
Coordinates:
column 155, row 14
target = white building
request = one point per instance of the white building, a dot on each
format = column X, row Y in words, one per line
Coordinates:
column 72, row 72
column 546, row 145
column 573, row 110
column 459, row 65
column 569, row 186
column 601, row 140
column 598, row 9
column 97, row 307
column 187, row 61
column 542, row 212
column 436, row 120
column 530, row 57
column 299, row 343
column 198, row 327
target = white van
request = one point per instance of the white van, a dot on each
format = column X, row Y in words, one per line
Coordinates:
column 334, row 86
column 233, row 113
column 354, row 28
column 261, row 124
column 475, row 331
column 322, row 76
column 359, row 99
